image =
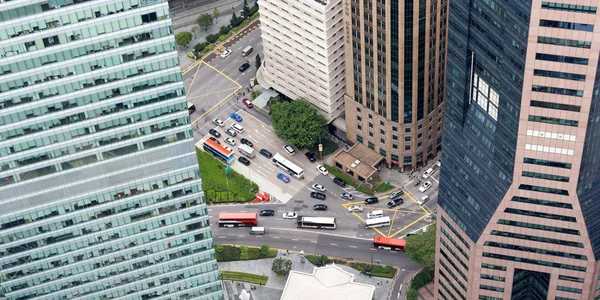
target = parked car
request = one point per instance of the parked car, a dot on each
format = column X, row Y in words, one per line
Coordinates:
column 423, row 200
column 319, row 207
column 347, row 196
column 212, row 138
column 283, row 178
column 265, row 153
column 247, row 102
column 289, row 215
column 244, row 67
column 425, row 186
column 318, row 195
column 246, row 142
column 322, row 170
column 229, row 141
column 311, row 157
column 244, row 160
column 226, row 53
column 266, row 213
column 371, row 200
column 235, row 116
column 395, row 202
column 339, row 181
column 355, row 208
column 318, row 187
column 218, row 122
column 231, row 132
column 396, row 194
column 214, row 133
column 289, row 149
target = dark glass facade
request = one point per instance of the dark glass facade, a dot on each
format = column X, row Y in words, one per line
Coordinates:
column 408, row 60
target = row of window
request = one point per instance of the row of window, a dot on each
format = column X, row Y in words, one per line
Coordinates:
column 465, row 254
column 537, row 238
column 552, row 105
column 570, row 278
column 539, row 227
column 555, row 121
column 564, row 42
column 569, row 289
column 567, row 25
column 492, row 277
column 542, row 202
column 545, row 176
column 451, row 283
column 546, row 163
column 493, row 267
column 491, row 288
column 562, row 59
column 534, row 262
column 556, row 90
column 454, row 254
column 454, row 265
column 538, row 214
column 569, row 7
column 535, row 250
column 456, row 233
column 560, row 75
column 542, row 189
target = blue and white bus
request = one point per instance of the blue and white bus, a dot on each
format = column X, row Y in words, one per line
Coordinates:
column 218, row 151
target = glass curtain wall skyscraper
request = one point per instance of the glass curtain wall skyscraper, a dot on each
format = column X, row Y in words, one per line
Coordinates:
column 518, row 214
column 100, row 191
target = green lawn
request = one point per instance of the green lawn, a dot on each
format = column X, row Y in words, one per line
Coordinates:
column 244, row 277
column 215, row 186
column 384, row 187
column 329, row 147
column 337, row 173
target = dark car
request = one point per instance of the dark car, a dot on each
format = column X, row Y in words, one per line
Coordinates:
column 372, row 200
column 214, row 133
column 311, row 157
column 266, row 153
column 339, row 181
column 246, row 142
column 267, row 213
column 244, row 67
column 318, row 195
column 395, row 202
column 320, row 207
column 244, row 160
column 214, row 140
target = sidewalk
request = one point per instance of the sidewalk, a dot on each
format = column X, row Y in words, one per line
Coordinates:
column 426, row 292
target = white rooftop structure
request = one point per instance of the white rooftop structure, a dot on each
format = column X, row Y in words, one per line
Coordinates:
column 326, row 283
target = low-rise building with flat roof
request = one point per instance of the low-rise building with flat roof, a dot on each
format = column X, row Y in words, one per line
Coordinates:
column 358, row 162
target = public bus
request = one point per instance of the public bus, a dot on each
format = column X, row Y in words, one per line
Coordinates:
column 315, row 222
column 382, row 242
column 288, row 166
column 218, row 151
column 237, row 219
column 377, row 222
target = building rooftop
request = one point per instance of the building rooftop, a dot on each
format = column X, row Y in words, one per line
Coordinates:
column 367, row 157
column 326, row 283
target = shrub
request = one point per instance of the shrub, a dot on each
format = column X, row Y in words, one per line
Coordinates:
column 191, row 55
column 211, row 38
column 183, row 38
column 224, row 29
column 253, row 10
column 411, row 294
column 231, row 253
column 244, row 277
column 200, row 46
column 264, row 249
column 254, row 253
column 243, row 253
column 224, row 37
column 281, row 266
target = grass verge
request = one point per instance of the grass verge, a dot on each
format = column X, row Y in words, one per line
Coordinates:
column 337, row 173
column 384, row 187
column 376, row 270
column 244, row 277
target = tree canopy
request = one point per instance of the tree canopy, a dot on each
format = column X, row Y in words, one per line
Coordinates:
column 246, row 9
column 183, row 38
column 421, row 247
column 257, row 61
column 205, row 21
column 281, row 266
column 297, row 122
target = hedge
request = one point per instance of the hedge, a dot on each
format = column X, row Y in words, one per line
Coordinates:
column 244, row 277
column 411, row 294
column 223, row 37
column 233, row 253
column 422, row 278
column 376, row 270
column 215, row 185
column 211, row 38
column 339, row 174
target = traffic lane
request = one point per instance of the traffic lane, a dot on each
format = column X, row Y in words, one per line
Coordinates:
column 234, row 40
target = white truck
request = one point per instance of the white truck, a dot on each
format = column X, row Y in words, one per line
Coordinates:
column 246, row 150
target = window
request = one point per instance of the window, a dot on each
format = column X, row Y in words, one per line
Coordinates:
column 493, row 267
column 561, row 58
column 551, row 105
column 407, row 138
column 371, row 146
column 407, row 148
column 491, row 288
column 542, row 202
column 568, row 289
column 557, row 91
column 569, row 7
column 537, row 214
column 547, row 163
column 359, row 139
column 545, row 176
column 561, row 75
column 534, row 262
column 394, row 128
column 542, row 189
column 408, row 159
column 569, row 278
column 539, row 227
column 535, row 250
column 564, row 42
column 394, row 137
column 382, row 152
column 537, row 239
column 491, row 277
column 567, row 25
column 370, row 125
column 485, row 96
column 555, row 121
column 407, row 130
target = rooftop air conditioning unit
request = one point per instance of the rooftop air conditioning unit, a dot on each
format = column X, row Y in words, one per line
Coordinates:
column 353, row 166
column 356, row 162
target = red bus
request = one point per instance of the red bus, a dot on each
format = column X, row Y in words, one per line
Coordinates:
column 237, row 219
column 382, row 242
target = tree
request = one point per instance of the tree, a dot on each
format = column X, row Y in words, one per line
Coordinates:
column 257, row 61
column 411, row 294
column 216, row 15
column 421, row 247
column 234, row 20
column 205, row 21
column 264, row 249
column 297, row 122
column 183, row 38
column 246, row 10
column 281, row 266
column 194, row 29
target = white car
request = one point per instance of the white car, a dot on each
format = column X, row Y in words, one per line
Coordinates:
column 428, row 173
column 289, row 149
column 423, row 200
column 355, row 208
column 425, row 186
column 322, row 170
column 218, row 122
column 228, row 148
column 347, row 196
column 229, row 141
column 318, row 187
column 290, row 215
column 226, row 53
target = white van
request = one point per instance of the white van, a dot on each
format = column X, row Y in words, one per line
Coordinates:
column 247, row 51
column 237, row 127
column 427, row 173
column 257, row 230
column 375, row 214
column 423, row 200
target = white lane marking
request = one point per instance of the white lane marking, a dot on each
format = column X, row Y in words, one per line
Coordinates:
column 294, row 239
column 235, row 60
column 278, row 219
column 210, row 217
column 332, row 244
column 313, row 242
column 435, row 179
column 276, row 237
column 252, row 39
column 223, row 236
column 241, row 235
column 352, row 246
column 258, row 236
column 210, row 209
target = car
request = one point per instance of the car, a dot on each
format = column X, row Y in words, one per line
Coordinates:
column 283, row 178
column 439, row 163
column 396, row 194
column 318, row 195
column 289, row 149
column 318, row 187
column 352, row 208
column 423, row 200
column 231, row 132
column 289, row 215
column 218, row 122
column 371, row 200
column 395, row 202
column 228, row 148
column 229, row 141
column 266, row 213
column 244, row 161
column 226, row 53
column 244, row 67
column 265, row 153
column 347, row 196
column 236, row 117
column 246, row 142
column 214, row 133
column 311, row 157
column 425, row 186
column 247, row 103
column 214, row 140
column 322, row 170
column 428, row 173
column 339, row 181
column 319, row 207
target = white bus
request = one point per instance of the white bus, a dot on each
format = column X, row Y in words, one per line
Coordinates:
column 288, row 166
column 315, row 222
column 246, row 150
column 377, row 222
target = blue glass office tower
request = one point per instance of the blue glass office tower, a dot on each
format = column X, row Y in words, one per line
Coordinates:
column 100, row 188
column 519, row 191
